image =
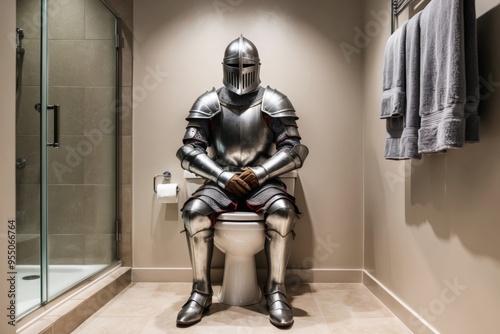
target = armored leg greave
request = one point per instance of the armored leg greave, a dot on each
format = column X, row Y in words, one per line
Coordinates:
column 200, row 242
column 278, row 244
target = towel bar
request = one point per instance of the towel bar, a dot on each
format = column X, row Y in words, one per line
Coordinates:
column 399, row 5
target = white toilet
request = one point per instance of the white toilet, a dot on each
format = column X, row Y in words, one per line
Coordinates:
column 239, row 235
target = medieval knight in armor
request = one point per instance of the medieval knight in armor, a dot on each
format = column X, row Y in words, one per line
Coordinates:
column 241, row 138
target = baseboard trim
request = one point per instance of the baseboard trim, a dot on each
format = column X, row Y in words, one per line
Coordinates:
column 406, row 314
column 293, row 276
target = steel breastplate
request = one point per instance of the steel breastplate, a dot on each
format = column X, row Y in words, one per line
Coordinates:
column 240, row 137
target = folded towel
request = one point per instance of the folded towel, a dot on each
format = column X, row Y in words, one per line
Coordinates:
column 394, row 128
column 448, row 75
column 393, row 96
column 402, row 133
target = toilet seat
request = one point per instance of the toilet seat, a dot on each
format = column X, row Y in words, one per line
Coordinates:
column 241, row 216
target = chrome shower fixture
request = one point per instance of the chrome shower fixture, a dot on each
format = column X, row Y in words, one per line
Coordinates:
column 19, row 41
column 19, row 56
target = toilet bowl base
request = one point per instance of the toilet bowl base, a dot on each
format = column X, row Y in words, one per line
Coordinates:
column 239, row 284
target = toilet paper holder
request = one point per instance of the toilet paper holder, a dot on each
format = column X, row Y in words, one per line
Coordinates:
column 166, row 176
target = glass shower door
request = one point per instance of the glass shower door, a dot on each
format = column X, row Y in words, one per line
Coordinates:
column 66, row 146
column 81, row 117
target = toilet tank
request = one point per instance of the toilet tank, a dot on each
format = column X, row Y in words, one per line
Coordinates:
column 193, row 182
column 289, row 180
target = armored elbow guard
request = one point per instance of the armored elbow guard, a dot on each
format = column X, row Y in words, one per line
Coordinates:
column 196, row 160
column 282, row 162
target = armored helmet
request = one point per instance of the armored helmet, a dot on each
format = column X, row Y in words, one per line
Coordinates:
column 241, row 66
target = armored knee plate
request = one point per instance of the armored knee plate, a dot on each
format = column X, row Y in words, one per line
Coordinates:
column 281, row 217
column 195, row 216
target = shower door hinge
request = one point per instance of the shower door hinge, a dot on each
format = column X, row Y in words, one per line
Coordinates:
column 117, row 41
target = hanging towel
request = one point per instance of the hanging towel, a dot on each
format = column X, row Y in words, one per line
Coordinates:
column 472, row 73
column 449, row 91
column 393, row 96
column 402, row 132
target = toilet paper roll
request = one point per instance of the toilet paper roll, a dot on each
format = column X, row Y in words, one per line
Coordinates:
column 167, row 193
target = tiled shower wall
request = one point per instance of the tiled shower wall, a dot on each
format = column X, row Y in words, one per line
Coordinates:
column 81, row 76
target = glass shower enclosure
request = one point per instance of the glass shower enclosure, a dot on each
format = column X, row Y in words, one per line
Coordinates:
column 66, row 145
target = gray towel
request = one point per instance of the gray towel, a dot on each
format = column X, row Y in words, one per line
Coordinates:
column 449, row 77
column 402, row 132
column 393, row 96
column 472, row 73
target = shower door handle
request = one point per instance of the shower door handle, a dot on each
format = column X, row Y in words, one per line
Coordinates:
column 55, row 107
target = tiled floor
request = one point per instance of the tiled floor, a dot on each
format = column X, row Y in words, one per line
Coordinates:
column 152, row 308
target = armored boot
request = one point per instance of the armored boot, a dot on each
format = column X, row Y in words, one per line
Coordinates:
column 278, row 245
column 200, row 247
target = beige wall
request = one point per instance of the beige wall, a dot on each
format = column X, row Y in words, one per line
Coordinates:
column 7, row 147
column 183, row 42
column 431, row 226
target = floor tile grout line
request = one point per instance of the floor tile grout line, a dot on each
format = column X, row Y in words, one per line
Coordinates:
column 318, row 306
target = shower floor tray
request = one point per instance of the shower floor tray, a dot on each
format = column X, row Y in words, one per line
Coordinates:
column 61, row 278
